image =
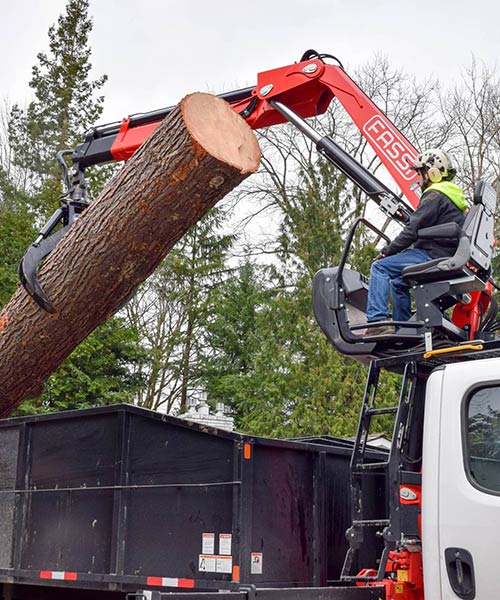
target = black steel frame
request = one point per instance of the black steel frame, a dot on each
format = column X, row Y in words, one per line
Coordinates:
column 396, row 526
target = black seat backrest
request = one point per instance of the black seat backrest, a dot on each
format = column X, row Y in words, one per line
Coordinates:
column 475, row 241
column 479, row 225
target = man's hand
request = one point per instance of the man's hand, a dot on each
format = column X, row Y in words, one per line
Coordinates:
column 378, row 257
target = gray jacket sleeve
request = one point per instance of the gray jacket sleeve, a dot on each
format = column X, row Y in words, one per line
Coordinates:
column 426, row 215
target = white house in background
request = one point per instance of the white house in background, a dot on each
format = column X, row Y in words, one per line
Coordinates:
column 199, row 412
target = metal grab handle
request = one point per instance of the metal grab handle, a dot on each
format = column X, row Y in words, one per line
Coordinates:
column 350, row 237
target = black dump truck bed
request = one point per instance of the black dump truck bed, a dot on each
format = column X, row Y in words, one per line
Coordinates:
column 124, row 499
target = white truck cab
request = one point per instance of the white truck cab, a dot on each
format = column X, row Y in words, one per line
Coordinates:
column 461, row 481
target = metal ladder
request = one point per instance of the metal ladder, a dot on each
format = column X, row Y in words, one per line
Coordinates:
column 387, row 526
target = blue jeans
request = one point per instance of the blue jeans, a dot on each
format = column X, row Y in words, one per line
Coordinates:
column 385, row 277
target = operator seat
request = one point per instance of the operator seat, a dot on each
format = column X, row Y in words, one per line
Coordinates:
column 340, row 294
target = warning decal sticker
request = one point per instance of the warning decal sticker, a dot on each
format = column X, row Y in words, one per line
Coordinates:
column 256, row 563
column 206, row 563
column 224, row 564
column 209, row 563
column 225, row 543
column 207, row 543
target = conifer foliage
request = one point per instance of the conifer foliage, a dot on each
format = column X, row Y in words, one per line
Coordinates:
column 66, row 102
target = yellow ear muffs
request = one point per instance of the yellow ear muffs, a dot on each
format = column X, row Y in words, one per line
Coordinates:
column 434, row 174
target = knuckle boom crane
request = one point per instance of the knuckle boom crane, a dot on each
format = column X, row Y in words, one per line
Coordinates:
column 292, row 94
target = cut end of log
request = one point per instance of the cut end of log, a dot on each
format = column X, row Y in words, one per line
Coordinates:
column 221, row 132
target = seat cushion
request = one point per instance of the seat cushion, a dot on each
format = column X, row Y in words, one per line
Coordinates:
column 430, row 271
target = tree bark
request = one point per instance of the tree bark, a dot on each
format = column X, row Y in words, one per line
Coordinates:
column 198, row 154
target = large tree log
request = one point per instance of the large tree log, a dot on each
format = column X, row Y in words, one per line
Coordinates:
column 199, row 153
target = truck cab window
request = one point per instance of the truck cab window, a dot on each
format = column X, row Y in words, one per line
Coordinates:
column 483, row 438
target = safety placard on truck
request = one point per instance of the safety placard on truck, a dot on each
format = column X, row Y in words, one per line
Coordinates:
column 256, row 563
column 207, row 543
column 207, row 563
column 225, row 544
column 211, row 563
column 224, row 564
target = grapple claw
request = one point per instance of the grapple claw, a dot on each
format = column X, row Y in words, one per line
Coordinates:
column 28, row 269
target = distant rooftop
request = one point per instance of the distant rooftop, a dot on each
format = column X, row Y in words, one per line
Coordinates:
column 200, row 413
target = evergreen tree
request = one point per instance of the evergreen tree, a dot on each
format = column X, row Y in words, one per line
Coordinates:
column 270, row 362
column 299, row 384
column 100, row 371
column 66, row 103
column 171, row 311
column 16, row 233
column 232, row 338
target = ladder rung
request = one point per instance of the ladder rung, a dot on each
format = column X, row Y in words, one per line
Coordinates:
column 370, row 466
column 370, row 522
column 381, row 411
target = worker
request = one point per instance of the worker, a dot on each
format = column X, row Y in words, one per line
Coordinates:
column 442, row 202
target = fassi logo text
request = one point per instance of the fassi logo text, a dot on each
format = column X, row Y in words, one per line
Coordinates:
column 386, row 139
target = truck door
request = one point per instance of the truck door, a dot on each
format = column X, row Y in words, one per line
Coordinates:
column 463, row 490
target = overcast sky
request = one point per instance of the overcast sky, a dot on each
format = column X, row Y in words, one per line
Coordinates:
column 155, row 52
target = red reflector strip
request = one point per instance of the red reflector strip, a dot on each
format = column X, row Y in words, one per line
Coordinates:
column 170, row 582
column 62, row 575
